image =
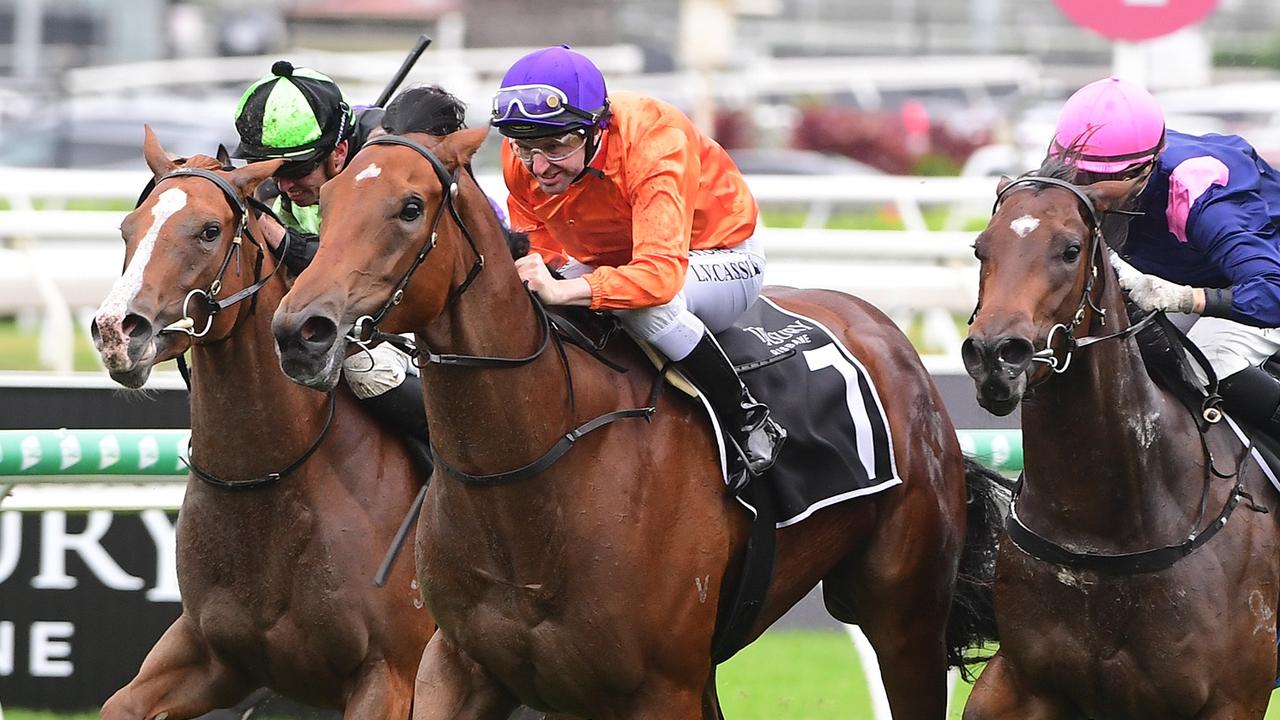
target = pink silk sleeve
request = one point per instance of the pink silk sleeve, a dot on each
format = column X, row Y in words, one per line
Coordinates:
column 1187, row 183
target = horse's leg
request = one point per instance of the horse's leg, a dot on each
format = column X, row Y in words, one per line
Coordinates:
column 451, row 686
column 179, row 679
column 899, row 592
column 710, row 700
column 378, row 696
column 664, row 701
column 999, row 694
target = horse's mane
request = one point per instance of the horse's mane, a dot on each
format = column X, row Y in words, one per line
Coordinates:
column 1115, row 226
column 203, row 162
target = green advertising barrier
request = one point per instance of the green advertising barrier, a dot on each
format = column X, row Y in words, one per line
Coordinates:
column 96, row 456
column 68, row 456
column 998, row 449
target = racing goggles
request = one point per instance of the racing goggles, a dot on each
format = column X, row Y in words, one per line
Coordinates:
column 297, row 169
column 534, row 102
column 553, row 149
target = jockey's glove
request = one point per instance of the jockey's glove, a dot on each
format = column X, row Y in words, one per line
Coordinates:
column 1150, row 292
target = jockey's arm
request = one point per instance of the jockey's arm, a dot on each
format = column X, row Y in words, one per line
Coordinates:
column 302, row 246
column 663, row 183
column 1235, row 231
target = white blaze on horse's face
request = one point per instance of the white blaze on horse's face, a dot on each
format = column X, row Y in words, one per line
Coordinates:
column 1024, row 225
column 113, row 310
column 372, row 171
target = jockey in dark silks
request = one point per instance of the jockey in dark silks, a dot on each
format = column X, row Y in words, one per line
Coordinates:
column 1207, row 240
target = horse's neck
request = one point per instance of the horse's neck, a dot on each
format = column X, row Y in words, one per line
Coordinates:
column 1106, row 447
column 247, row 417
column 486, row 420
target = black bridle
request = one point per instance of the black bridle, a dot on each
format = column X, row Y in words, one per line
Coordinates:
column 365, row 330
column 449, row 194
column 1049, row 355
column 1032, row 543
column 213, row 306
column 238, row 205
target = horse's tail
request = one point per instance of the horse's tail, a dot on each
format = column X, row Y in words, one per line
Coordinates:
column 973, row 620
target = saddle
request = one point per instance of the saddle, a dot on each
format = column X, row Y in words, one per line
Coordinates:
column 839, row 445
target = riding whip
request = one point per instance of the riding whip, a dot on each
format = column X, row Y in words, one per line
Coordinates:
column 410, row 60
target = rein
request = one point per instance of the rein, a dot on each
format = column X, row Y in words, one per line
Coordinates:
column 213, row 307
column 1032, row 543
column 365, row 330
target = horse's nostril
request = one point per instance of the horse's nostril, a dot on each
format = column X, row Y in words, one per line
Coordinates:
column 135, row 326
column 1014, row 352
column 318, row 330
column 971, row 355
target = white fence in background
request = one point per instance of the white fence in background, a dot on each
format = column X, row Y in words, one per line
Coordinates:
column 58, row 264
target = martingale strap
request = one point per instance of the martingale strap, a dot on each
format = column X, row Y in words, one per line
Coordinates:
column 1145, row 561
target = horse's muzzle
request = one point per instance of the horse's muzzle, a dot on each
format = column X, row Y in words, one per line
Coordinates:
column 310, row 348
column 998, row 367
column 127, row 346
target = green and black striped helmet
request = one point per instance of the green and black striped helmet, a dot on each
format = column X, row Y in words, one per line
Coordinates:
column 294, row 113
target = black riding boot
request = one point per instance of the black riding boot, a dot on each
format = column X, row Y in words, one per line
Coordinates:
column 401, row 411
column 1253, row 396
column 746, row 420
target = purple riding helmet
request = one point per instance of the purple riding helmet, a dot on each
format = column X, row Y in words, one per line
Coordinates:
column 549, row 92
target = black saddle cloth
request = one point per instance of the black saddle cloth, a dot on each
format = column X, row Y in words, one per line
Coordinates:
column 838, row 441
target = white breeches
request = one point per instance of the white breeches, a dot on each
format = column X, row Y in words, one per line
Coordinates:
column 719, row 286
column 1231, row 346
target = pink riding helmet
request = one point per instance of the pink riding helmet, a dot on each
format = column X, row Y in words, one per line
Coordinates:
column 1117, row 122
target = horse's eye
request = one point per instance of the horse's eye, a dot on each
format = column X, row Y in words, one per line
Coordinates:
column 411, row 211
column 1071, row 253
column 211, row 232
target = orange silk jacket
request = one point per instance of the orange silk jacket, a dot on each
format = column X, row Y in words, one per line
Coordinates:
column 662, row 189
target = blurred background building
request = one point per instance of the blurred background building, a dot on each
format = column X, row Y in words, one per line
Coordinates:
column 906, row 86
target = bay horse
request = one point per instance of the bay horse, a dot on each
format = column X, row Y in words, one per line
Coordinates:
column 591, row 584
column 1128, row 584
column 294, row 496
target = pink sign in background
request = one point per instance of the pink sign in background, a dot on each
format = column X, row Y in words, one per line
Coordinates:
column 1136, row 19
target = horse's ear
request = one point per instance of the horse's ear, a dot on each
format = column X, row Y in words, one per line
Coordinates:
column 248, row 178
column 457, row 148
column 157, row 159
column 1108, row 195
column 223, row 157
column 1004, row 183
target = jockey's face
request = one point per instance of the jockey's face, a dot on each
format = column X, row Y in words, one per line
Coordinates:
column 553, row 161
column 305, row 190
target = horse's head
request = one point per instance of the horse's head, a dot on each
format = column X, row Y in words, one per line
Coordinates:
column 1041, row 259
column 182, row 249
column 392, row 251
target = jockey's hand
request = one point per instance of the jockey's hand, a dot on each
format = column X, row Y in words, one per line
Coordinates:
column 535, row 275
column 1155, row 293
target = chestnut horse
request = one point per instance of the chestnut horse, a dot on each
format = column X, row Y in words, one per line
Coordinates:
column 275, row 572
column 592, row 583
column 1114, row 596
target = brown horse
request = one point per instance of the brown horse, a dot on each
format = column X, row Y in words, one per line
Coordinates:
column 593, row 585
column 1114, row 596
column 276, row 573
